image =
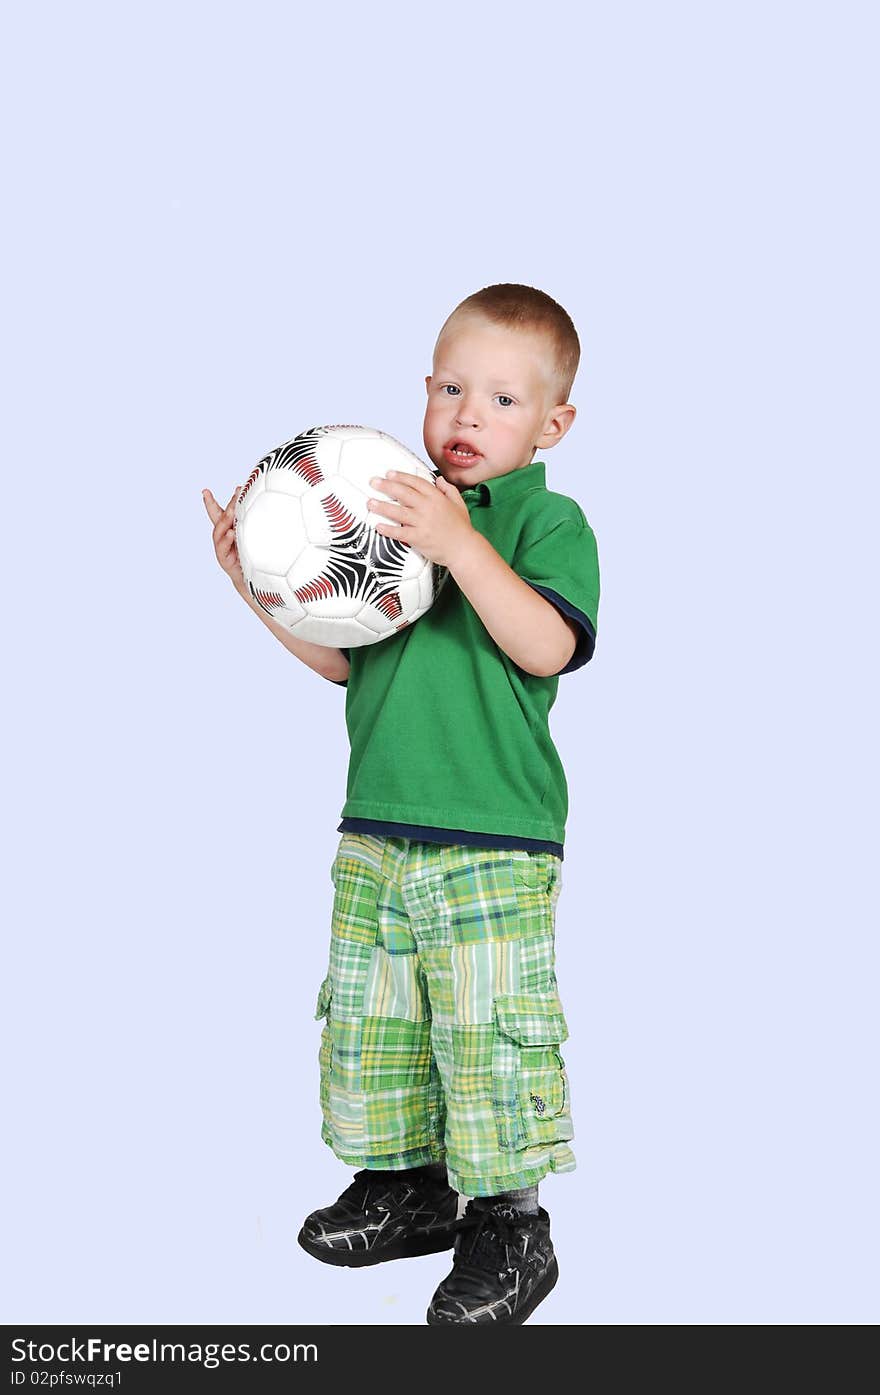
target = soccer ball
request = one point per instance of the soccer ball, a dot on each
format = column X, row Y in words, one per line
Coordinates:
column 307, row 544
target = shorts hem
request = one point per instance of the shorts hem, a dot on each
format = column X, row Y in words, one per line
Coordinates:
column 389, row 1162
column 488, row 1184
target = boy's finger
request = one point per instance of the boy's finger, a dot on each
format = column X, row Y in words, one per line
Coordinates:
column 214, row 509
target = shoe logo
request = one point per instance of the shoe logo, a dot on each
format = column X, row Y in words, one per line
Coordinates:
column 538, row 1102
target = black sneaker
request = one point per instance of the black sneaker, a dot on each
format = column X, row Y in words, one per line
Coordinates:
column 383, row 1215
column 503, row 1267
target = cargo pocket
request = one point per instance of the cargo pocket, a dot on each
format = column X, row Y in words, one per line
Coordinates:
column 530, row 1092
column 335, row 865
column 537, row 882
column 538, row 871
column 325, row 1050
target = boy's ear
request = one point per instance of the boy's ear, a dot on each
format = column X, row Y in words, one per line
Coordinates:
column 428, row 383
column 558, row 421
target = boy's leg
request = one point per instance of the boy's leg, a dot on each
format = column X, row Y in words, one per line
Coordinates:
column 381, row 1094
column 497, row 1025
column 488, row 951
column 381, row 1099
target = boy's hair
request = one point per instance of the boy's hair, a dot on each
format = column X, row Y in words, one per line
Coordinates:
column 525, row 307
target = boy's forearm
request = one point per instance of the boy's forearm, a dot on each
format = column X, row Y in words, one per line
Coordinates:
column 329, row 663
column 529, row 628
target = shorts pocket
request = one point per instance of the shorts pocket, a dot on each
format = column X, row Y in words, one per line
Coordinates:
column 325, row 1050
column 538, row 871
column 325, row 994
column 530, row 1093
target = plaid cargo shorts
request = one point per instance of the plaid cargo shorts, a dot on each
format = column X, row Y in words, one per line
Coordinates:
column 442, row 1013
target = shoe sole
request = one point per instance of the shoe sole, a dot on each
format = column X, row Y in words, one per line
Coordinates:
column 403, row 1249
column 539, row 1292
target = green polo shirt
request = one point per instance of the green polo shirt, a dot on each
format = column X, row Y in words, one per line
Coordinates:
column 449, row 737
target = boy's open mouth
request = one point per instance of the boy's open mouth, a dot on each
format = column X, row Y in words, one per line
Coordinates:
column 460, row 452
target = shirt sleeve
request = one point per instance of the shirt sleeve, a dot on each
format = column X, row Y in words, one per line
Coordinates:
column 563, row 565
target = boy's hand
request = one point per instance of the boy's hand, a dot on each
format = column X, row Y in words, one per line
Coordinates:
column 433, row 518
column 224, row 536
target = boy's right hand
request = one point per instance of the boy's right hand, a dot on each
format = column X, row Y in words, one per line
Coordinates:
column 224, row 536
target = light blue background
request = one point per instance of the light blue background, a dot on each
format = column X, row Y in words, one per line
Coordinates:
column 228, row 223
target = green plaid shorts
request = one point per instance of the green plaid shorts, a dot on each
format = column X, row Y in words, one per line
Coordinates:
column 443, row 1021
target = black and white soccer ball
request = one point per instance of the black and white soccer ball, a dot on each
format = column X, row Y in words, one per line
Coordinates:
column 307, row 544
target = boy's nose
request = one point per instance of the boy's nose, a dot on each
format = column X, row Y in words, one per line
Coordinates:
column 467, row 417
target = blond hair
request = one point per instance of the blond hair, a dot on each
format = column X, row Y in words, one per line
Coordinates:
column 526, row 308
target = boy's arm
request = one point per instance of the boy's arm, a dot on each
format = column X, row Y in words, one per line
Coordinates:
column 329, row 663
column 530, row 629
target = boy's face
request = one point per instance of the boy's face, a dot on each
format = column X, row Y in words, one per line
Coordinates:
column 491, row 390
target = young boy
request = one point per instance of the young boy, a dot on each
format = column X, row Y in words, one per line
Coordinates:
column 440, row 1067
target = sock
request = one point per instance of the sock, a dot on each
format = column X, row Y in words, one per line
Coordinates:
column 436, row 1171
column 526, row 1199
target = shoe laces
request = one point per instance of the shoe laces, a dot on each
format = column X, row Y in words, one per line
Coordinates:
column 495, row 1229
column 372, row 1179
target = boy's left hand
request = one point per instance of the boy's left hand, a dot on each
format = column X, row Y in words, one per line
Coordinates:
column 433, row 518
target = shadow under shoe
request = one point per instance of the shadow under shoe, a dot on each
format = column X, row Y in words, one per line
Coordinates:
column 383, row 1215
column 504, row 1265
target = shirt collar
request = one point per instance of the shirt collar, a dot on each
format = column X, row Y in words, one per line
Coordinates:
column 509, row 486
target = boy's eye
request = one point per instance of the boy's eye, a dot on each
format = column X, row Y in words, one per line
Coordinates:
column 451, row 390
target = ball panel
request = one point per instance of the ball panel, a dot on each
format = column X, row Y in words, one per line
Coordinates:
column 333, row 511
column 426, row 588
column 271, row 531
column 273, row 594
column 320, row 582
column 363, row 458
column 337, row 633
